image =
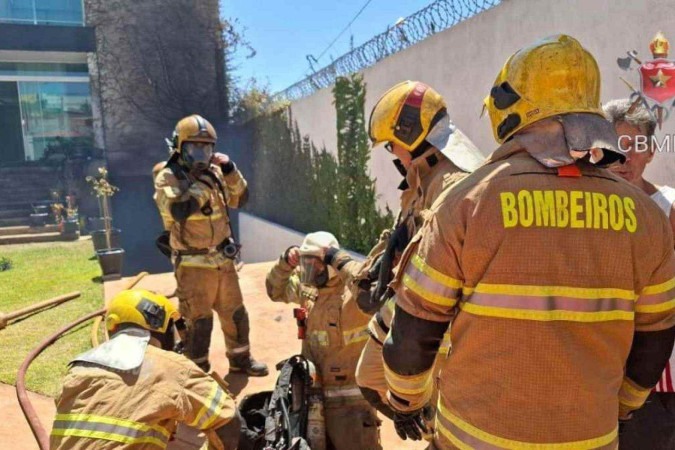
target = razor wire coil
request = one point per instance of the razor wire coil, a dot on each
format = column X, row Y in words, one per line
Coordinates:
column 438, row 16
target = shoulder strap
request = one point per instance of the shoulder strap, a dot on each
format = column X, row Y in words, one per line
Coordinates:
column 218, row 183
column 177, row 170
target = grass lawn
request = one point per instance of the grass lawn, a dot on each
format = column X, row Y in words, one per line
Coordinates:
column 39, row 272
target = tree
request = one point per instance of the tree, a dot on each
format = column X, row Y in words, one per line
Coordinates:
column 164, row 60
column 360, row 220
column 297, row 185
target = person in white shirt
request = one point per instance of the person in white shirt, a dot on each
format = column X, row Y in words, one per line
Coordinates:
column 653, row 426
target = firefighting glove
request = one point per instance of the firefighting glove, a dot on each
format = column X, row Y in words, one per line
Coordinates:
column 412, row 425
column 286, row 254
column 395, row 246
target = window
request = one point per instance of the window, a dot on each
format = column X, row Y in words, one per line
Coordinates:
column 14, row 69
column 55, row 115
column 42, row 12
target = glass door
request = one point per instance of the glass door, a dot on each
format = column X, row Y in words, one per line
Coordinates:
column 31, row 120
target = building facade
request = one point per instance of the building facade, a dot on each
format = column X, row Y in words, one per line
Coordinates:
column 45, row 90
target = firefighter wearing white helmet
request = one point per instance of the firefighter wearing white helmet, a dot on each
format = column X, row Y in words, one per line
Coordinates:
column 314, row 276
column 132, row 391
column 557, row 276
column 193, row 193
column 412, row 122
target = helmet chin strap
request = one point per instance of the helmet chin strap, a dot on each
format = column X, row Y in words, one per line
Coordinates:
column 419, row 151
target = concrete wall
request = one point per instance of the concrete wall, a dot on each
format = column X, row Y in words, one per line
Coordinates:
column 263, row 240
column 463, row 61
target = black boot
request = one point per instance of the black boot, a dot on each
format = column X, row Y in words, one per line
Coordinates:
column 244, row 363
column 198, row 342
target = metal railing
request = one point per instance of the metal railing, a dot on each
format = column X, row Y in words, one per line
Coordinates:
column 438, row 16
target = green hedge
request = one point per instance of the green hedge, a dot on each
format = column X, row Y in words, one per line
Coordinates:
column 295, row 184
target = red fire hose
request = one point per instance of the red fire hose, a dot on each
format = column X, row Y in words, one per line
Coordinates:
column 31, row 416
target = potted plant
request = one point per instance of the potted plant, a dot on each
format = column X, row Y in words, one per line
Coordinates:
column 39, row 216
column 102, row 189
column 110, row 258
column 70, row 226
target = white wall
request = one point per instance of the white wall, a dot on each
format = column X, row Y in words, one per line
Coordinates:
column 263, row 240
column 463, row 61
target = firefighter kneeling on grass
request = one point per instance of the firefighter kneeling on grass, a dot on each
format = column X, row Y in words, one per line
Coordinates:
column 314, row 276
column 193, row 192
column 131, row 391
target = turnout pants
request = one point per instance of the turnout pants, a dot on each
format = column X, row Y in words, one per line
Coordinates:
column 201, row 291
column 352, row 427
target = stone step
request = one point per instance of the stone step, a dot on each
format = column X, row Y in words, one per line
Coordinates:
column 11, row 203
column 14, row 189
column 12, row 213
column 14, row 222
column 34, row 197
column 33, row 238
column 25, row 229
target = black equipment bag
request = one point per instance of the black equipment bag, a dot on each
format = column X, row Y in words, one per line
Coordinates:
column 277, row 420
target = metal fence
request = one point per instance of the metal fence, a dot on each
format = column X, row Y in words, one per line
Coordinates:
column 439, row 15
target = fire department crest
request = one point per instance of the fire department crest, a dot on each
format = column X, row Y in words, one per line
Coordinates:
column 657, row 78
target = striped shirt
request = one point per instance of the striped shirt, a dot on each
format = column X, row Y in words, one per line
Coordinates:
column 665, row 197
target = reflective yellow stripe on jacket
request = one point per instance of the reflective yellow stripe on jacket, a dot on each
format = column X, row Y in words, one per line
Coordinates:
column 356, row 335
column 348, row 391
column 110, row 429
column 209, row 413
column 407, row 387
column 465, row 436
column 631, row 395
column 215, row 215
column 430, row 284
column 657, row 298
column 546, row 303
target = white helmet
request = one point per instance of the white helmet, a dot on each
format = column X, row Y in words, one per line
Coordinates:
column 315, row 243
column 313, row 271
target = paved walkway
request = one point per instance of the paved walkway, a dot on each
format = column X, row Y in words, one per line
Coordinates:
column 273, row 338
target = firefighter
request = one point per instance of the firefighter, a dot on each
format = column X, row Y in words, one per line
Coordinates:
column 653, row 426
column 132, row 391
column 432, row 156
column 558, row 277
column 315, row 276
column 193, row 193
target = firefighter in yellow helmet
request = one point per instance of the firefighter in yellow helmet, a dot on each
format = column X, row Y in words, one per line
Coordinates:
column 314, row 276
column 132, row 391
column 412, row 121
column 558, row 277
column 193, row 193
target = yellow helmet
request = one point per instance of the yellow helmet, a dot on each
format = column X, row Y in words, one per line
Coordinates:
column 193, row 128
column 142, row 308
column 405, row 114
column 555, row 75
